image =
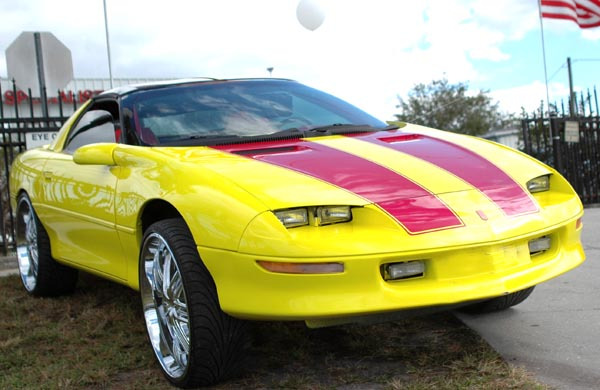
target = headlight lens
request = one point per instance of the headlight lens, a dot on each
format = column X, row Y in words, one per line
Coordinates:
column 315, row 216
column 293, row 217
column 539, row 184
column 332, row 214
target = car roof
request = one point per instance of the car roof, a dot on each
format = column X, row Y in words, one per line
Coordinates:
column 127, row 89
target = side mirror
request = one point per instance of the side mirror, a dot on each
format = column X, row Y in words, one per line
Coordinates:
column 95, row 154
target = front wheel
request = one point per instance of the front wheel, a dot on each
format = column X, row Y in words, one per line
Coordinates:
column 195, row 343
column 499, row 303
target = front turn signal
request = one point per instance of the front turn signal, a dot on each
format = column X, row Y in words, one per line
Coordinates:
column 301, row 268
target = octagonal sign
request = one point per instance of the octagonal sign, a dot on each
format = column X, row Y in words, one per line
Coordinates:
column 22, row 66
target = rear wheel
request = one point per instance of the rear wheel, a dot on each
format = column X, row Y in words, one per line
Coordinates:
column 40, row 273
column 499, row 303
column 195, row 343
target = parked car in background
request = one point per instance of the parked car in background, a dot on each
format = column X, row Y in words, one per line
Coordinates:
column 224, row 201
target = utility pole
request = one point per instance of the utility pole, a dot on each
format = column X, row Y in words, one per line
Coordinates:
column 571, row 93
column 108, row 45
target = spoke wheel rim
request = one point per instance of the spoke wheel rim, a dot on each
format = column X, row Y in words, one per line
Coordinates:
column 27, row 244
column 165, row 306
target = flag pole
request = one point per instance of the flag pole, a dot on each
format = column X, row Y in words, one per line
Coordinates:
column 555, row 138
column 544, row 56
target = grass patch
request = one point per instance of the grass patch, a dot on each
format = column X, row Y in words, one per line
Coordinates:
column 95, row 339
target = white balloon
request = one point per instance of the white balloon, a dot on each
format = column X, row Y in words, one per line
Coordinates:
column 310, row 14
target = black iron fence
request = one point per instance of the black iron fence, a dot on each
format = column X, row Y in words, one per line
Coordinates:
column 20, row 115
column 584, row 104
column 571, row 145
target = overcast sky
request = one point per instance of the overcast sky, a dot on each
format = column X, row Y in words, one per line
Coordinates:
column 366, row 51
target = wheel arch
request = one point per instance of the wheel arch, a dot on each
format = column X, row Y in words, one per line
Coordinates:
column 157, row 210
column 16, row 209
column 18, row 194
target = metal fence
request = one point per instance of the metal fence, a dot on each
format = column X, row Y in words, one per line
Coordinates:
column 572, row 146
column 576, row 157
column 20, row 113
column 582, row 104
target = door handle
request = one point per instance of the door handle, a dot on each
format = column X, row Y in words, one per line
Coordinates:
column 48, row 175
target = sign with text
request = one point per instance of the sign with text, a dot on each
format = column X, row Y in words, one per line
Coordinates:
column 571, row 131
column 40, row 138
column 66, row 97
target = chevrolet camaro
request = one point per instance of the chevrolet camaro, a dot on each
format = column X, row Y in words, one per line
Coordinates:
column 223, row 201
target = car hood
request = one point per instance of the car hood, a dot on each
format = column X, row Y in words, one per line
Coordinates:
column 423, row 178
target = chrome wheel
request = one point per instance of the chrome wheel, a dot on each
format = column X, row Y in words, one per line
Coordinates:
column 27, row 244
column 165, row 306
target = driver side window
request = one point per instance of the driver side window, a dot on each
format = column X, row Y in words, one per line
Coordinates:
column 93, row 127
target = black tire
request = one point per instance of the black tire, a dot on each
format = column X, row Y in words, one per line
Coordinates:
column 499, row 303
column 216, row 341
column 40, row 273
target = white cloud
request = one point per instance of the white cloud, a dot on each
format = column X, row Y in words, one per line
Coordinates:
column 591, row 34
column 365, row 52
column 529, row 97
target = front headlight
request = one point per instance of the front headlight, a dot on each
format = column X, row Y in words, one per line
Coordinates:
column 316, row 216
column 326, row 215
column 293, row 217
column 539, row 184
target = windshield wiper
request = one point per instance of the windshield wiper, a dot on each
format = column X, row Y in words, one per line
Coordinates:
column 203, row 139
column 333, row 129
column 290, row 131
column 347, row 128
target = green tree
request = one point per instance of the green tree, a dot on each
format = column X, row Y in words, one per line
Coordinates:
column 447, row 106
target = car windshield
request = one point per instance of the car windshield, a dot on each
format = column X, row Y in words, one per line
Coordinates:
column 232, row 109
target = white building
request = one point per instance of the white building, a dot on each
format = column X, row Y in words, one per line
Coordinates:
column 78, row 91
column 508, row 137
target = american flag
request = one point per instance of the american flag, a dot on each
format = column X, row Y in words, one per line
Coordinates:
column 586, row 13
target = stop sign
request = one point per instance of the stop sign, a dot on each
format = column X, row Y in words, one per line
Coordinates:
column 22, row 66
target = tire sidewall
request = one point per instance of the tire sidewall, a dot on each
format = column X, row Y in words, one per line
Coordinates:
column 162, row 231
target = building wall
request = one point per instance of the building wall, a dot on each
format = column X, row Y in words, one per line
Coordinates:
column 75, row 93
column 508, row 137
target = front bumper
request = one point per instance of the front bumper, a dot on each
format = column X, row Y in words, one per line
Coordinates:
column 452, row 276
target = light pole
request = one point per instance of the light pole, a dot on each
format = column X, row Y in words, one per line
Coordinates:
column 108, row 45
column 270, row 70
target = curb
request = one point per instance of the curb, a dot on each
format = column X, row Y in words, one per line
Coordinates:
column 8, row 266
column 8, row 272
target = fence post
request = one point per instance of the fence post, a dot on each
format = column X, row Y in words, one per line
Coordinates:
column 556, row 152
column 596, row 99
column 525, row 130
column 2, row 103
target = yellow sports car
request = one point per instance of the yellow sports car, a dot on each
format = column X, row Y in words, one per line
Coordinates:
column 263, row 199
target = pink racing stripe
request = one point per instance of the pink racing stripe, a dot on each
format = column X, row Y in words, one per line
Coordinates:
column 415, row 208
column 470, row 167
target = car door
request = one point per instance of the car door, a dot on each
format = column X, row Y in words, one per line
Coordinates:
column 79, row 200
